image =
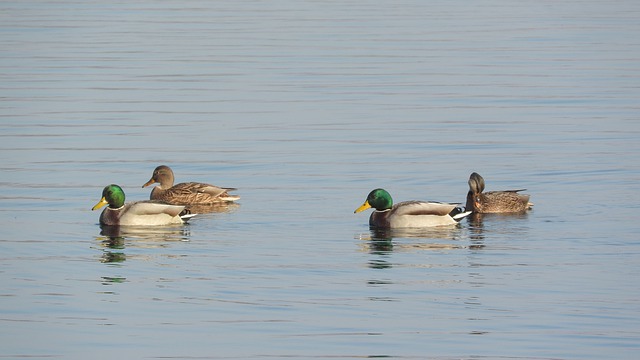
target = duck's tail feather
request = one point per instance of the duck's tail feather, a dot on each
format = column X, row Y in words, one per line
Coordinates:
column 187, row 217
column 459, row 213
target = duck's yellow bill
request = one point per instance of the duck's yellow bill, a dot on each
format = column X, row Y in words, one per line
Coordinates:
column 363, row 207
column 100, row 204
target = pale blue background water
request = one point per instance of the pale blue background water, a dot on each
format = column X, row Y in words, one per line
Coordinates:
column 305, row 107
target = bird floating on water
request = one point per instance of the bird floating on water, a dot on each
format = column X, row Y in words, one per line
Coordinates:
column 507, row 201
column 189, row 193
column 140, row 213
column 409, row 214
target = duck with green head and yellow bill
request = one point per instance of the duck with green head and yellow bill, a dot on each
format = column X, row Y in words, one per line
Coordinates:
column 409, row 214
column 189, row 193
column 140, row 213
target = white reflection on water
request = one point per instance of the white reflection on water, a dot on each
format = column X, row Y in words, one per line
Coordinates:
column 115, row 239
column 381, row 241
column 467, row 235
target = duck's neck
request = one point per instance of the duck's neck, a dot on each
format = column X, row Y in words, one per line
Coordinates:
column 470, row 201
column 157, row 190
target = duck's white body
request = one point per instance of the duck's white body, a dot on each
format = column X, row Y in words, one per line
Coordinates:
column 415, row 214
column 143, row 213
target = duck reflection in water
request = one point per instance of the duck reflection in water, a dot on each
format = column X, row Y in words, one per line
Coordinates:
column 114, row 239
column 110, row 257
column 479, row 224
column 111, row 240
column 385, row 240
column 211, row 208
column 145, row 233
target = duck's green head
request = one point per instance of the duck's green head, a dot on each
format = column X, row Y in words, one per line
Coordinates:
column 378, row 199
column 112, row 195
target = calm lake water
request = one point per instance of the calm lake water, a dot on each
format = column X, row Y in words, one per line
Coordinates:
column 305, row 106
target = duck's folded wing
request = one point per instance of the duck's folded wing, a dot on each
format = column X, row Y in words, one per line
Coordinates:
column 154, row 208
column 195, row 187
column 508, row 195
column 423, row 208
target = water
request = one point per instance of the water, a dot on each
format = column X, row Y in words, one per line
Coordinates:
column 305, row 107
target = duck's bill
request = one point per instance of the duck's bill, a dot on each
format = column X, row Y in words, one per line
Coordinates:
column 100, row 204
column 363, row 207
column 149, row 182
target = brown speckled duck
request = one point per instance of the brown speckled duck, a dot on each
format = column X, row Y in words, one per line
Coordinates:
column 189, row 193
column 507, row 201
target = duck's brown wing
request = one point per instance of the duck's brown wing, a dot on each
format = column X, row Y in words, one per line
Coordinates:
column 505, row 201
column 197, row 193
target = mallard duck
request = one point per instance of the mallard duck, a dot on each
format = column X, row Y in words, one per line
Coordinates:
column 136, row 213
column 189, row 193
column 507, row 201
column 409, row 213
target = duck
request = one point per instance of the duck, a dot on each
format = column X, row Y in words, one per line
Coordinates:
column 409, row 214
column 506, row 201
column 140, row 213
column 189, row 193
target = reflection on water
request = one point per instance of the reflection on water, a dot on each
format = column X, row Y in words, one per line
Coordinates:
column 110, row 257
column 478, row 225
column 380, row 241
column 150, row 234
column 438, row 232
column 213, row 208
column 114, row 239
column 475, row 220
column 379, row 246
column 107, row 280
